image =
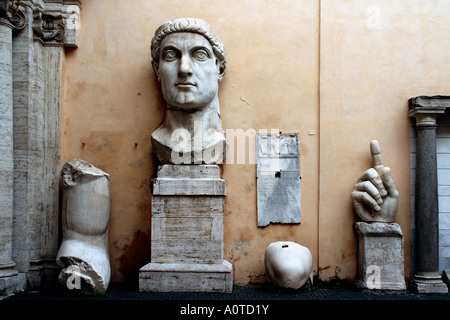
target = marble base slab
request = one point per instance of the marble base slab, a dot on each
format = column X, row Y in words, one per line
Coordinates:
column 429, row 284
column 186, row 277
column 12, row 283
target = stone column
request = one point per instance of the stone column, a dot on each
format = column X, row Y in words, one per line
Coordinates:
column 427, row 278
column 26, row 123
column 38, row 78
column 32, row 36
column 10, row 18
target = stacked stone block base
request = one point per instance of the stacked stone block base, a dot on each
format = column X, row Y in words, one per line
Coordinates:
column 187, row 232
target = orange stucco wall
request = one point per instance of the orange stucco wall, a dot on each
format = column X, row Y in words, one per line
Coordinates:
column 337, row 72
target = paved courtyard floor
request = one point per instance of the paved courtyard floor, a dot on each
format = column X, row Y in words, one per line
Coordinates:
column 263, row 301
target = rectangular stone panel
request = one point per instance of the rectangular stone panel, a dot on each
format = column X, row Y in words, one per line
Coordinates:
column 191, row 172
column 191, row 206
column 278, row 178
column 170, row 186
column 183, row 277
column 187, row 229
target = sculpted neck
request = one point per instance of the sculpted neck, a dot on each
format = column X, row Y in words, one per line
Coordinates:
column 208, row 116
column 201, row 130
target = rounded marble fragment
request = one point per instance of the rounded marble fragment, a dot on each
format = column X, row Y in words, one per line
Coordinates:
column 288, row 264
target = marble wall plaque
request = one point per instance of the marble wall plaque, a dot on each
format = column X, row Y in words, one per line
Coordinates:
column 278, row 178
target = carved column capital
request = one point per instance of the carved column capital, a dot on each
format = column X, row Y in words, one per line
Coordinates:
column 57, row 23
column 11, row 13
column 49, row 28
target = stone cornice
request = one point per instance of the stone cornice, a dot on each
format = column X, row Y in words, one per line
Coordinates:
column 429, row 102
column 11, row 13
column 427, row 108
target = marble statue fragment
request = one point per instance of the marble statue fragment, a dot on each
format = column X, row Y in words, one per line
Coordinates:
column 374, row 196
column 189, row 62
column 288, row 264
column 84, row 255
column 380, row 239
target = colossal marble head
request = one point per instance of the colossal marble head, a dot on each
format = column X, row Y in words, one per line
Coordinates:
column 189, row 61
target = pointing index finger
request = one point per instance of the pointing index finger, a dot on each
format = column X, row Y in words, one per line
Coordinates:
column 375, row 150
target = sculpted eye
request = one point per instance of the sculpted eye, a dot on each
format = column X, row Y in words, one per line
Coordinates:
column 200, row 54
column 170, row 55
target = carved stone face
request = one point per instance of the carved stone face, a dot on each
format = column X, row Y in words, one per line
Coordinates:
column 188, row 71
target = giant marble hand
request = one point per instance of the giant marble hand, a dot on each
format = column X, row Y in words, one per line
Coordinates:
column 375, row 197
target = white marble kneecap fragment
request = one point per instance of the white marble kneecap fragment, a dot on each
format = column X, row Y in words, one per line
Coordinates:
column 88, row 262
column 86, row 206
column 288, row 264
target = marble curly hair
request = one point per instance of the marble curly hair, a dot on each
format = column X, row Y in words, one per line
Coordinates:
column 188, row 25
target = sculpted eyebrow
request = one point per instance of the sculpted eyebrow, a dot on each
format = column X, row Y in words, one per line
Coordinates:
column 169, row 47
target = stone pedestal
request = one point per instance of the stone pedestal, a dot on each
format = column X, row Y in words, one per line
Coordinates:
column 187, row 232
column 380, row 256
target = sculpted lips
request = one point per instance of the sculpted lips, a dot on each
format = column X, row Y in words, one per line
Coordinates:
column 185, row 84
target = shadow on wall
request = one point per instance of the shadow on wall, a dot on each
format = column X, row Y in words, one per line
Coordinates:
column 134, row 255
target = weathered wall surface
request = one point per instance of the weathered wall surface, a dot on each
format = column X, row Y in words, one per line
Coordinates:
column 375, row 55
column 337, row 72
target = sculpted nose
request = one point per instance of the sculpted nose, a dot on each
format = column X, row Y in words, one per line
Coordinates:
column 185, row 67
